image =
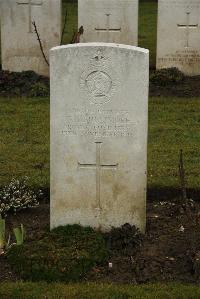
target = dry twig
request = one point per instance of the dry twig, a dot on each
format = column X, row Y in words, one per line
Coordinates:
column 77, row 35
column 40, row 43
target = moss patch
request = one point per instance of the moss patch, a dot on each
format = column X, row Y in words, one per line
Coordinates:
column 72, row 253
column 65, row 254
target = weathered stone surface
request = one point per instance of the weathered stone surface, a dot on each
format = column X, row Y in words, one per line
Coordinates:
column 114, row 21
column 178, row 42
column 20, row 47
column 99, row 108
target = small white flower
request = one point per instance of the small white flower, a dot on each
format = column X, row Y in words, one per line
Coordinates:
column 181, row 229
column 110, row 265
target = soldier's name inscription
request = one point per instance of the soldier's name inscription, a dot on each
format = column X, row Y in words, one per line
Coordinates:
column 98, row 123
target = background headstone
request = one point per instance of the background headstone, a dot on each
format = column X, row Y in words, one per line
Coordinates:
column 99, row 108
column 114, row 21
column 20, row 47
column 178, row 39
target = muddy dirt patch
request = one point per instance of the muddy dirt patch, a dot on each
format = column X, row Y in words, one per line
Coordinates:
column 169, row 251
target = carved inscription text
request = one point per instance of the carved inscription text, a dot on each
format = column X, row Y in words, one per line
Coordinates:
column 98, row 123
column 190, row 57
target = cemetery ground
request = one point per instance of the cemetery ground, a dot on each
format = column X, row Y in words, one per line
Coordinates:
column 170, row 249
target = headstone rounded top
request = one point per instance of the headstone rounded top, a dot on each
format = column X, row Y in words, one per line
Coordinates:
column 108, row 45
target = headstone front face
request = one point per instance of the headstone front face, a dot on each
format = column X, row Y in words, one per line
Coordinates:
column 178, row 42
column 99, row 99
column 20, row 47
column 114, row 21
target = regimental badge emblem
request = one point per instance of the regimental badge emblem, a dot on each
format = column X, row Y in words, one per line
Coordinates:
column 99, row 81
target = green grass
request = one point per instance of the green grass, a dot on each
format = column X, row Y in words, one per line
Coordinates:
column 148, row 29
column 89, row 291
column 72, row 20
column 24, row 140
column 173, row 124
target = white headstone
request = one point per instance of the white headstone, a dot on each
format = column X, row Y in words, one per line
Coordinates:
column 99, row 107
column 178, row 42
column 20, row 47
column 114, row 21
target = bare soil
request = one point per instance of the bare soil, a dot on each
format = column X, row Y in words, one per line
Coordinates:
column 170, row 249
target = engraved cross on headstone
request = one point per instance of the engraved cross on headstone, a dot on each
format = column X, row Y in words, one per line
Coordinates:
column 30, row 3
column 187, row 26
column 98, row 166
column 108, row 29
